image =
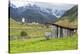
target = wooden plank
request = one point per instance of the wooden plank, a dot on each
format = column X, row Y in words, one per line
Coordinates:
column 54, row 31
column 64, row 32
column 72, row 32
column 58, row 32
column 61, row 32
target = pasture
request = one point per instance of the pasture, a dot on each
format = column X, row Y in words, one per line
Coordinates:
column 38, row 42
column 32, row 30
column 41, row 44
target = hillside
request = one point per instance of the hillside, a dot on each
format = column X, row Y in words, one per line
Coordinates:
column 31, row 14
column 29, row 28
column 69, row 19
column 13, row 23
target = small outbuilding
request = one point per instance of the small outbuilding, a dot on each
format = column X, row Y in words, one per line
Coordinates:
column 61, row 31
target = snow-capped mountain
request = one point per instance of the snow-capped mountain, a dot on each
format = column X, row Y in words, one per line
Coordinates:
column 34, row 12
column 34, row 5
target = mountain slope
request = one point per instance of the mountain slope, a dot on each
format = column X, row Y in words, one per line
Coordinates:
column 31, row 14
column 69, row 19
column 13, row 23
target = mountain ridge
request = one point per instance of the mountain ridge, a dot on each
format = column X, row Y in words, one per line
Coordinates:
column 32, row 12
column 70, row 18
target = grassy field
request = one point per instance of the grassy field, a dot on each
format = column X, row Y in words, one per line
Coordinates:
column 33, row 30
column 40, row 43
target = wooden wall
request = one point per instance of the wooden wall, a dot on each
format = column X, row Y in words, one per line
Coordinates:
column 58, row 32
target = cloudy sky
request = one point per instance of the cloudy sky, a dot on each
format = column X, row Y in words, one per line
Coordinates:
column 19, row 3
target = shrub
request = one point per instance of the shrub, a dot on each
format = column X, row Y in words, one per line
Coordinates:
column 23, row 33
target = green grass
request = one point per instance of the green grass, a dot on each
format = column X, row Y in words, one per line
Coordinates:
column 41, row 44
column 32, row 30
